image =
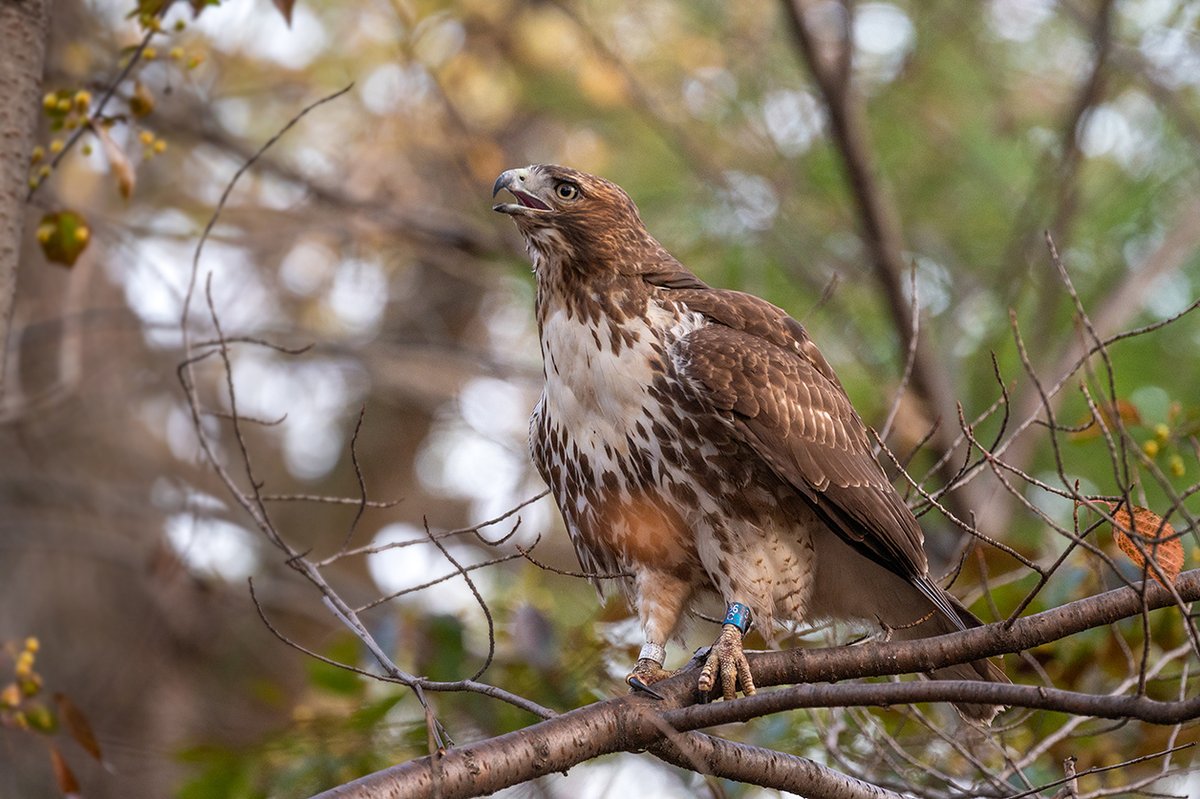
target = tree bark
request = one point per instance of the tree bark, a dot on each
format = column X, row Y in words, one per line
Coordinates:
column 759, row 766
column 23, row 26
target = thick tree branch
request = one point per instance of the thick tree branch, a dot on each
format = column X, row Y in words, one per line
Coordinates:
column 904, row 657
column 630, row 723
column 759, row 766
column 887, row 694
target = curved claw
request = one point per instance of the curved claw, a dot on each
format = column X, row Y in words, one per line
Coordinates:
column 646, row 673
column 636, row 684
column 727, row 661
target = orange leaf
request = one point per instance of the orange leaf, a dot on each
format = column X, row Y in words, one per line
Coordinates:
column 62, row 772
column 1123, row 409
column 77, row 724
column 1156, row 536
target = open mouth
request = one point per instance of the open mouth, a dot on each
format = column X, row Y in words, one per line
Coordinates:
column 525, row 202
column 528, row 200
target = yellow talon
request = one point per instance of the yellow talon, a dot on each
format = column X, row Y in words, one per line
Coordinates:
column 727, row 661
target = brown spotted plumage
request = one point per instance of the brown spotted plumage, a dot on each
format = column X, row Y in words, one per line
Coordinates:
column 697, row 440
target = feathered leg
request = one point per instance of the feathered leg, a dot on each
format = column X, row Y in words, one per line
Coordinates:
column 660, row 601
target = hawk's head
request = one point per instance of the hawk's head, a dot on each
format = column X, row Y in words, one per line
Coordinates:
column 565, row 212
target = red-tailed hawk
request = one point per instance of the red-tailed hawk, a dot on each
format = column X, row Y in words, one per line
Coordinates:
column 697, row 440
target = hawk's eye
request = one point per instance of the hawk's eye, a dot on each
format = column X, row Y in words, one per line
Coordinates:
column 567, row 191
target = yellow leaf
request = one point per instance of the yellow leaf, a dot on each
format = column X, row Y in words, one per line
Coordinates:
column 1156, row 536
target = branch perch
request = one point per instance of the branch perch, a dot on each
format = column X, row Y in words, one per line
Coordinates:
column 635, row 722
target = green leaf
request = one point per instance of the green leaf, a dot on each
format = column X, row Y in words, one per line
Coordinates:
column 63, row 236
column 370, row 715
column 444, row 652
column 333, row 679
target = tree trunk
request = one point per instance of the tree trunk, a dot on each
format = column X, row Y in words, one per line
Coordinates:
column 23, row 25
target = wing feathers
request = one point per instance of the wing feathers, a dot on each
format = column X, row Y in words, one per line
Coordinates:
column 796, row 416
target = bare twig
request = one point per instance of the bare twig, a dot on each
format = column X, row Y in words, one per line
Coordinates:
column 361, row 480
column 528, row 555
column 252, row 499
column 472, row 530
column 1071, row 780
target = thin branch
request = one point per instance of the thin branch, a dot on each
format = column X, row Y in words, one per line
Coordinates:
column 1037, row 697
column 320, row 498
column 1056, row 388
column 528, row 555
column 483, row 605
column 458, row 572
column 1074, row 775
column 358, row 476
column 473, row 529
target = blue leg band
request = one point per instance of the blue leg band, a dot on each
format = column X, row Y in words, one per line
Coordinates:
column 739, row 616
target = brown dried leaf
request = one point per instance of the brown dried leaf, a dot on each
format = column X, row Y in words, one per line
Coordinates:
column 63, row 774
column 118, row 162
column 1156, row 536
column 77, row 725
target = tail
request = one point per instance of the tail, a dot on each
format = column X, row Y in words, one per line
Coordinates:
column 939, row 624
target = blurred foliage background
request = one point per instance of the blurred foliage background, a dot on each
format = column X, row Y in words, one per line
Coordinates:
column 366, row 232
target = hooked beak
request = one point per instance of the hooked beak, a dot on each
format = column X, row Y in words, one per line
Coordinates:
column 513, row 181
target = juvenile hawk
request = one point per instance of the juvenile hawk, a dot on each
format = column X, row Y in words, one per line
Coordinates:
column 696, row 439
